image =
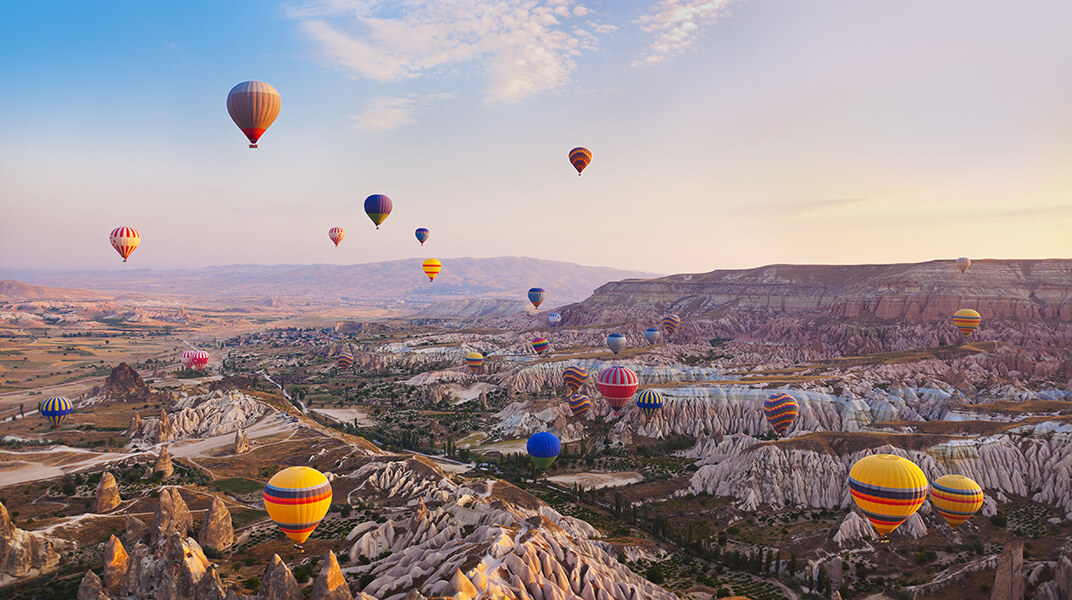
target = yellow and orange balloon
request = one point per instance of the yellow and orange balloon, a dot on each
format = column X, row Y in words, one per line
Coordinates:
column 956, row 498
column 431, row 268
column 297, row 498
column 888, row 489
column 967, row 320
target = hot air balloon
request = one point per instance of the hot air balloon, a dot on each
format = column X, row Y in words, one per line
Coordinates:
column 194, row 359
column 544, row 447
column 616, row 342
column 652, row 335
column 963, row 263
column 540, row 345
column 336, row 234
column 253, row 105
column 475, row 360
column 297, row 498
column 378, row 207
column 554, row 319
column 888, row 489
column 574, row 377
column 579, row 405
column 966, row 320
column 431, row 268
column 956, row 498
column 422, row 234
column 579, row 157
column 344, row 360
column 649, row 402
column 781, row 411
column 617, row 384
column 124, row 240
column 536, row 296
column 670, row 323
column 56, row 409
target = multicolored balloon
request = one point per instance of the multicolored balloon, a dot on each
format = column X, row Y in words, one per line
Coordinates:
column 967, row 320
column 670, row 323
column 475, row 360
column 963, row 263
column 781, row 410
column 124, row 240
column 616, row 342
column 56, row 409
column 888, row 489
column 544, row 448
column 253, row 106
column 431, row 268
column 540, row 345
column 378, row 207
column 345, row 360
column 956, row 498
column 579, row 405
column 652, row 335
column 297, row 498
column 579, row 157
column 649, row 402
column 336, row 234
column 194, row 359
column 574, row 377
column 422, row 234
column 536, row 296
column 554, row 319
column 617, row 384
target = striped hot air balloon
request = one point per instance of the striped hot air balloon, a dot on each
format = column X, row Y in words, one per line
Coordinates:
column 544, row 448
column 124, row 240
column 574, row 377
column 966, row 320
column 344, row 360
column 475, row 360
column 540, row 345
column 194, row 359
column 431, row 268
column 536, row 296
column 652, row 335
column 253, row 106
column 781, row 411
column 963, row 263
column 297, row 498
column 888, row 489
column 670, row 323
column 649, row 402
column 616, row 342
column 579, row 157
column 378, row 208
column 422, row 234
column 956, row 498
column 579, row 405
column 617, row 384
column 336, row 234
column 56, row 409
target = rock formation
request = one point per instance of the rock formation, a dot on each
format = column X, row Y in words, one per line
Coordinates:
column 107, row 493
column 135, row 425
column 22, row 552
column 90, row 588
column 124, row 383
column 164, row 431
column 115, row 565
column 278, row 582
column 1009, row 579
column 136, row 530
column 172, row 568
column 217, row 531
column 203, row 415
column 172, row 515
column 331, row 584
column 241, row 442
column 163, row 468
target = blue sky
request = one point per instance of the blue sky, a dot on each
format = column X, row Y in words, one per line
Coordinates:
column 725, row 134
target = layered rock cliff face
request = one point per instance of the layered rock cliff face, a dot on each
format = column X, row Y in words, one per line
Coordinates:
column 206, row 415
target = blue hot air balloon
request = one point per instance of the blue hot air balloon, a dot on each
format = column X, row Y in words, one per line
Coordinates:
column 536, row 296
column 544, row 448
column 422, row 235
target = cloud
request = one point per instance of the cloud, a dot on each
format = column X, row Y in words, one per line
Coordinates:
column 385, row 113
column 805, row 207
column 521, row 47
column 676, row 25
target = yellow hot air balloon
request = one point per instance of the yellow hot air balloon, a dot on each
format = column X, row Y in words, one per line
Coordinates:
column 297, row 498
column 888, row 489
column 963, row 263
column 966, row 320
column 431, row 268
column 956, row 498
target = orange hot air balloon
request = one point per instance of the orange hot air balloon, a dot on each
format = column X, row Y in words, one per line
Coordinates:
column 124, row 240
column 336, row 234
column 966, row 320
column 253, row 105
column 431, row 268
column 579, row 157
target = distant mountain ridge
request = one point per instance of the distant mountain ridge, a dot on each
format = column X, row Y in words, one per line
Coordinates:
column 11, row 290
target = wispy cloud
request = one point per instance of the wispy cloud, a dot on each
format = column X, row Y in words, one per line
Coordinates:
column 676, row 25
column 804, row 207
column 522, row 47
column 385, row 113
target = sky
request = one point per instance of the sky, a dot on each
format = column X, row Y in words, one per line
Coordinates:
column 724, row 134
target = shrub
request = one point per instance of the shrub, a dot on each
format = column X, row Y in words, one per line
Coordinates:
column 655, row 575
column 998, row 520
column 253, row 583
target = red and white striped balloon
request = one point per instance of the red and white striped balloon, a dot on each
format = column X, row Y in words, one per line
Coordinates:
column 336, row 234
column 617, row 384
column 194, row 359
column 124, row 240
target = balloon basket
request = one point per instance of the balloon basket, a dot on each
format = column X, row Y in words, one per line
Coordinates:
column 300, row 549
column 253, row 145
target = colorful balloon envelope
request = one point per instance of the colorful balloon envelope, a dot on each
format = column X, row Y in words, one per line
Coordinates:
column 956, row 498
column 652, row 335
column 554, row 319
column 670, row 323
column 431, row 268
column 574, row 377
column 616, row 342
column 963, row 263
column 579, row 157
column 253, row 106
column 124, row 240
column 579, row 404
column 475, row 360
column 536, row 296
column 345, row 360
column 544, row 448
column 649, row 402
column 422, row 235
column 617, row 384
column 56, row 409
column 378, row 207
column 297, row 498
column 966, row 320
column 336, row 234
column 781, row 410
column 888, row 489
column 194, row 359
column 540, row 345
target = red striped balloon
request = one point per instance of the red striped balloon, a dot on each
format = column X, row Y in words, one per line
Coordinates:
column 124, row 240
column 336, row 234
column 194, row 359
column 617, row 384
column 540, row 345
